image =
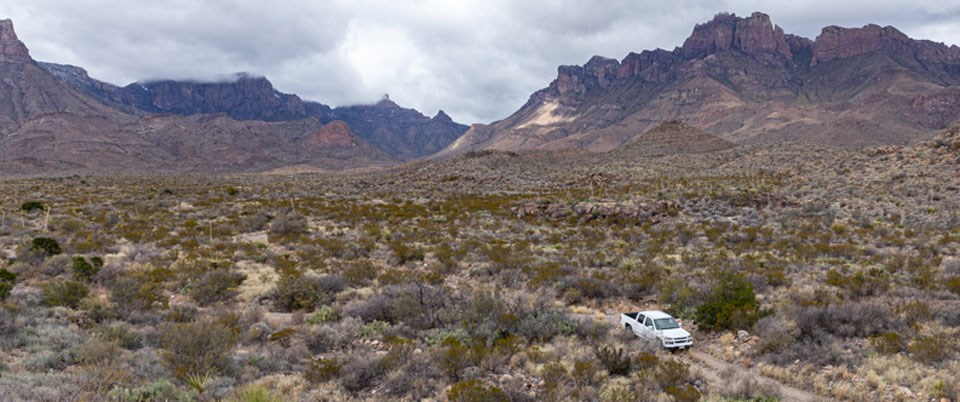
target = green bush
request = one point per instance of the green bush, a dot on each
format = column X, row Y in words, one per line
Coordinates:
column 731, row 304
column 322, row 315
column 476, row 391
column 7, row 281
column 45, row 246
column 30, row 206
column 82, row 270
column 65, row 293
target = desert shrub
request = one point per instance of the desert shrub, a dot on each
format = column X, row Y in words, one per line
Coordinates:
column 575, row 290
column 197, row 347
column 360, row 272
column 887, row 343
column 324, row 338
column 476, row 390
column 677, row 296
column 323, row 314
column 65, row 293
column 45, row 246
column 775, row 333
column 376, row 308
column 283, row 336
column 215, row 286
column 846, row 320
column 254, row 393
column 554, row 376
column 83, row 270
column 683, row 393
column 255, row 222
column 182, row 313
column 7, row 281
column 860, row 283
column 453, row 356
column 731, row 304
column 54, row 266
column 290, row 223
column 120, row 333
column 322, row 370
column 614, row 360
column 953, row 284
column 162, row 390
column 619, row 393
column 402, row 252
column 30, row 206
column 750, row 389
column 302, row 292
column 584, row 373
column 544, row 325
column 672, row 373
column 8, row 326
column 134, row 293
column 934, row 344
column 360, row 374
column 373, row 328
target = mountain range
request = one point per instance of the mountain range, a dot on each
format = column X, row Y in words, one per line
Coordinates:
column 745, row 81
column 735, row 80
column 57, row 118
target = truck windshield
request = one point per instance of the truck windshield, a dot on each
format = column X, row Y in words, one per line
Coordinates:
column 666, row 323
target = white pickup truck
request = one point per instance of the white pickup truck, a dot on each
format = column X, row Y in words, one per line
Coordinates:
column 657, row 324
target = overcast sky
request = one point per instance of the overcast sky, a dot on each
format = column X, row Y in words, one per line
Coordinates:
column 479, row 60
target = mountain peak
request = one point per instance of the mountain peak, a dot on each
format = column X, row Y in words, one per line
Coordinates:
column 755, row 35
column 443, row 117
column 11, row 48
column 387, row 103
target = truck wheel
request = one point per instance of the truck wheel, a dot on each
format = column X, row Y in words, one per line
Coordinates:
column 628, row 327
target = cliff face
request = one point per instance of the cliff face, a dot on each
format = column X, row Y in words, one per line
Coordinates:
column 244, row 98
column 745, row 80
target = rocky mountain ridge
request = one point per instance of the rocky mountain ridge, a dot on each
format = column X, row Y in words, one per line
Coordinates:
column 403, row 133
column 745, row 80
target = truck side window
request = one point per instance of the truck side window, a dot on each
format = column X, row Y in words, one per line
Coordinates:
column 648, row 322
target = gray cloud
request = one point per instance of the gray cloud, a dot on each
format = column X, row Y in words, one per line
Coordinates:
column 479, row 60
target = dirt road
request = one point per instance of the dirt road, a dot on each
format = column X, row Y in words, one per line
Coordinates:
column 711, row 367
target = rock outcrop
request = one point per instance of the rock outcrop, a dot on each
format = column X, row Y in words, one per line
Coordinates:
column 755, row 35
column 11, row 48
column 839, row 43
